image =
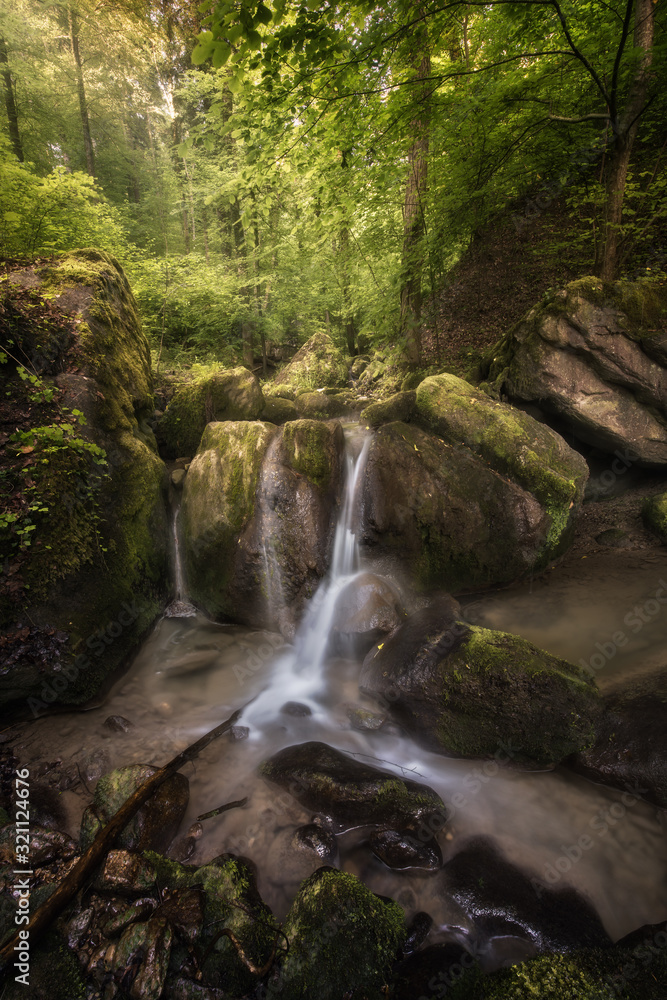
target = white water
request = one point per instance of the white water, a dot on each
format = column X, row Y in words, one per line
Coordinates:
column 299, row 673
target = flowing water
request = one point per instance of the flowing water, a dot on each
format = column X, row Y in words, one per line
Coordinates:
column 191, row 673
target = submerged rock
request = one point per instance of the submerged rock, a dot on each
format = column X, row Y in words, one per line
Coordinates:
column 472, row 692
column 350, row 794
column 228, row 394
column 318, row 840
column 594, row 355
column 96, row 574
column 343, row 941
column 503, row 901
column 445, row 516
column 318, row 363
column 156, row 822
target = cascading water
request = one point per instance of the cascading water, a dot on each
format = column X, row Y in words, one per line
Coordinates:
column 180, row 607
column 298, row 673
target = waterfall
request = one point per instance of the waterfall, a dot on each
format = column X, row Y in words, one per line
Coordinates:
column 298, row 673
column 180, row 607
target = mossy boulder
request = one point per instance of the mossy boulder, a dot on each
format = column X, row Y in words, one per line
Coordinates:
column 231, row 902
column 154, row 826
column 511, row 442
column 654, row 516
column 96, row 574
column 320, row 405
column 233, row 394
column 467, row 691
column 594, row 356
column 258, row 514
column 318, row 363
column 445, row 516
column 400, row 406
column 343, row 941
column 349, row 793
column 278, row 410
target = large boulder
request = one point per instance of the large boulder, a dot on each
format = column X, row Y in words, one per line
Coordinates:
column 349, row 793
column 343, row 941
column 594, row 355
column 233, row 394
column 81, row 595
column 366, row 608
column 467, row 691
column 445, row 516
column 513, row 443
column 258, row 515
column 317, row 364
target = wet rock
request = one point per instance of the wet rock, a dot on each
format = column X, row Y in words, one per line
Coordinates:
column 92, row 766
column 139, row 910
column 405, row 850
column 401, row 406
column 239, row 733
column 365, row 721
column 366, row 609
column 279, row 411
column 472, row 692
column 156, row 822
column 228, row 394
column 349, row 793
column 654, row 515
column 432, row 972
column 184, row 909
column 118, row 724
column 630, row 748
column 97, row 569
column 445, row 516
column 141, row 958
column 178, row 478
column 318, row 363
column 418, row 931
column 125, row 874
column 183, row 849
column 503, row 901
column 343, row 940
column 45, row 845
column 317, row 839
column 296, row 709
column 593, row 355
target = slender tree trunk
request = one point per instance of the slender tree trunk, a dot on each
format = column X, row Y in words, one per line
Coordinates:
column 258, row 299
column 348, row 315
column 242, row 268
column 413, row 206
column 81, row 90
column 625, row 130
column 10, row 102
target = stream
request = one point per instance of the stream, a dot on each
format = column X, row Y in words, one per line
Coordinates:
column 191, row 673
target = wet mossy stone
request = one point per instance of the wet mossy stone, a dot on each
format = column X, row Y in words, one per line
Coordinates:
column 313, row 450
column 511, row 442
column 502, row 901
column 219, row 498
column 97, row 569
column 400, row 406
column 343, row 941
column 229, row 394
column 654, row 516
column 348, row 793
column 445, row 516
column 155, row 824
column 318, row 363
column 594, row 355
column 232, row 902
column 467, row 691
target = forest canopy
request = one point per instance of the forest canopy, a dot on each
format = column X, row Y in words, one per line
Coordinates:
column 267, row 170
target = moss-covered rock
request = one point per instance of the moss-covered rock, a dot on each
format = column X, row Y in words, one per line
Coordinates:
column 320, row 405
column 469, row 692
column 401, row 406
column 654, row 515
column 594, row 355
column 96, row 572
column 449, row 519
column 318, row 363
column 233, row 394
column 154, row 826
column 278, row 410
column 231, row 903
column 343, row 941
column 512, row 443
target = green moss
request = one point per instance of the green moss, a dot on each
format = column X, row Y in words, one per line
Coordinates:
column 311, row 449
column 232, row 394
column 318, row 363
column 654, row 515
column 398, row 407
column 343, row 941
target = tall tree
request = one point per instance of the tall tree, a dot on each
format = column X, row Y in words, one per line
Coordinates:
column 73, row 19
column 10, row 102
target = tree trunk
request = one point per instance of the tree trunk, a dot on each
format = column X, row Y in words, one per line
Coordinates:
column 10, row 103
column 81, row 90
column 625, row 130
column 413, row 208
column 258, row 300
column 242, row 270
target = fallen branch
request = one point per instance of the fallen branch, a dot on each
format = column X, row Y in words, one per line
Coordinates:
column 221, row 809
column 88, row 862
